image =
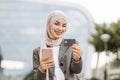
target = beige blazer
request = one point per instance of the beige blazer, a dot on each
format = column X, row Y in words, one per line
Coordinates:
column 66, row 63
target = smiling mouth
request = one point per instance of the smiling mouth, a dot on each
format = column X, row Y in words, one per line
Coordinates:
column 58, row 33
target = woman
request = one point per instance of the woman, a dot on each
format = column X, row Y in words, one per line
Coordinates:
column 66, row 62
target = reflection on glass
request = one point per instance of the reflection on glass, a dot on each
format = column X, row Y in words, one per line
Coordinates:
column 12, row 65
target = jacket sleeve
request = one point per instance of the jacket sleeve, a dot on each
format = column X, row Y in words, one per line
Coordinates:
column 76, row 67
column 38, row 75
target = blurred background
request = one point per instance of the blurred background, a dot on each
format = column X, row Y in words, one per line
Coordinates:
column 94, row 23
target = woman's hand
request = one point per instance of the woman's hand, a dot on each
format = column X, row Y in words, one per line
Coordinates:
column 45, row 63
column 77, row 52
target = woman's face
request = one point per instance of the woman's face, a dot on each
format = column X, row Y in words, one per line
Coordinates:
column 58, row 28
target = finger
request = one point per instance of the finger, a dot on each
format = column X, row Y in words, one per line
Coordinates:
column 75, row 46
column 46, row 62
column 43, row 67
column 76, row 55
column 44, row 58
column 50, row 65
column 77, row 51
column 50, row 62
column 76, row 58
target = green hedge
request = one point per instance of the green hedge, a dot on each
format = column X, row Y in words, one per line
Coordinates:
column 116, row 79
column 94, row 78
column 29, row 76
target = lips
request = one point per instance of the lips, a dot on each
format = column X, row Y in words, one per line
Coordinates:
column 58, row 33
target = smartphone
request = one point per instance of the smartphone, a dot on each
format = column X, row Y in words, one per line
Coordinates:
column 69, row 42
column 47, row 53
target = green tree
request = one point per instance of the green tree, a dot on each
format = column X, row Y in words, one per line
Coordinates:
column 96, row 41
column 115, row 40
column 113, row 43
column 113, row 30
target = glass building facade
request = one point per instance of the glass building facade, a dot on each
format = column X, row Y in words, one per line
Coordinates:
column 22, row 28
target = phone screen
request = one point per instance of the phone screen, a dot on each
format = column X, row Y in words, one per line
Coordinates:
column 47, row 53
column 69, row 42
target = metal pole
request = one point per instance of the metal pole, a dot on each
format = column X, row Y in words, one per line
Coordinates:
column 106, row 64
column 105, row 38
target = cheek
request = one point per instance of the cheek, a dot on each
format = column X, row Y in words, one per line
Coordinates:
column 65, row 29
column 52, row 28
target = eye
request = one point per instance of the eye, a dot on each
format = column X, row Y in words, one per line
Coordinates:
column 57, row 23
column 64, row 25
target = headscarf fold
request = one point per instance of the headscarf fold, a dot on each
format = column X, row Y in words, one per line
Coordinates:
column 53, row 16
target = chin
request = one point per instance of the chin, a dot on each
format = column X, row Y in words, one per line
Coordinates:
column 58, row 37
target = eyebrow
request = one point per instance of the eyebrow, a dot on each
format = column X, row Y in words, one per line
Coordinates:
column 59, row 22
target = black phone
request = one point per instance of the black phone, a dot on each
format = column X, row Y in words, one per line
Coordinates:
column 69, row 42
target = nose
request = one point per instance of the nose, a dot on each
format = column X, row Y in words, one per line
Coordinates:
column 60, row 27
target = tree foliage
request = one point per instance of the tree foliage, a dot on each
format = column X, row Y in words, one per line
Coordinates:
column 115, row 33
column 113, row 30
column 96, row 41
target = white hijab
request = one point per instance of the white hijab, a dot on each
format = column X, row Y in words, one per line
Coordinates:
column 53, row 16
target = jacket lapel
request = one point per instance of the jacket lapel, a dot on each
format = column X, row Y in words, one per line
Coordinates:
column 62, row 50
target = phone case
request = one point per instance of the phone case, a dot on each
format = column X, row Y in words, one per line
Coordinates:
column 47, row 53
